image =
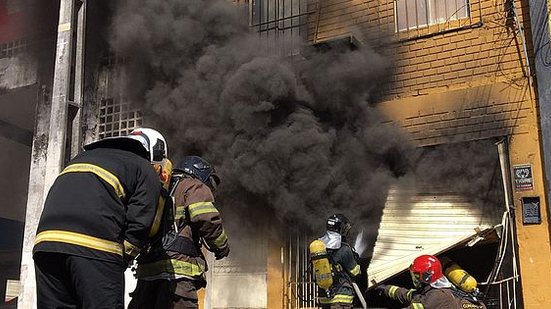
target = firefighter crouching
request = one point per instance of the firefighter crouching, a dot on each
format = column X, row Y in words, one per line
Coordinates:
column 97, row 216
column 335, row 265
column 171, row 279
column 432, row 290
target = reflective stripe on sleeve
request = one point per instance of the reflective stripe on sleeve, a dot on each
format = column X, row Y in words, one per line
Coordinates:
column 220, row 240
column 102, row 173
column 180, row 212
column 339, row 298
column 79, row 239
column 409, row 294
column 169, row 266
column 355, row 271
column 392, row 291
column 417, row 306
column 200, row 208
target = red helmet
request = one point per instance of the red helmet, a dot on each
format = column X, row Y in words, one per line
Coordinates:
column 425, row 269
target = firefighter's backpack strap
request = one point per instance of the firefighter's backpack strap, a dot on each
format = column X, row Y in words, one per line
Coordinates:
column 467, row 297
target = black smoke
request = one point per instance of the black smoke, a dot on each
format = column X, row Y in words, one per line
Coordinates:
column 294, row 137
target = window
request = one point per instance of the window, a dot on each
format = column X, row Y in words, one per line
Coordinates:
column 12, row 48
column 279, row 19
column 117, row 118
column 415, row 14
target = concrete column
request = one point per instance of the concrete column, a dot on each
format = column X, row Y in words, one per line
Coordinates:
column 48, row 158
column 78, row 101
column 60, row 94
column 534, row 243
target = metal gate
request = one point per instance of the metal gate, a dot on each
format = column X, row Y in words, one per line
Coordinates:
column 300, row 290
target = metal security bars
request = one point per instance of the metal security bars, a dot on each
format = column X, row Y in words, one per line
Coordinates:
column 281, row 21
column 117, row 118
column 13, row 48
column 301, row 290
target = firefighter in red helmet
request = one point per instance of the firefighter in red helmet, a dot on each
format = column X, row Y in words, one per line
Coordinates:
column 432, row 289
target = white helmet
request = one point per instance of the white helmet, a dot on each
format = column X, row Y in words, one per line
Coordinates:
column 153, row 141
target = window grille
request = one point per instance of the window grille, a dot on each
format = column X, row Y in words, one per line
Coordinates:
column 417, row 14
column 13, row 48
column 117, row 118
column 283, row 20
column 301, row 290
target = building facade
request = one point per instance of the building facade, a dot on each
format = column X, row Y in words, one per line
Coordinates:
column 463, row 71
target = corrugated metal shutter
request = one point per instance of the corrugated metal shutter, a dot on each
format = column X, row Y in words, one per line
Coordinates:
column 414, row 224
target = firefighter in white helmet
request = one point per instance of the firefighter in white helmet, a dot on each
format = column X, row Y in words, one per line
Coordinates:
column 97, row 217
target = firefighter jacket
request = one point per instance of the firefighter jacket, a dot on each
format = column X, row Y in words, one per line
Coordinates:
column 102, row 206
column 432, row 298
column 198, row 222
column 345, row 269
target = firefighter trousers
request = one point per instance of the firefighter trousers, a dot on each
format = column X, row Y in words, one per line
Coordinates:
column 165, row 294
column 69, row 281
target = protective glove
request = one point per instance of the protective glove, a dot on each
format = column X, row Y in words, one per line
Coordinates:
column 222, row 253
column 380, row 290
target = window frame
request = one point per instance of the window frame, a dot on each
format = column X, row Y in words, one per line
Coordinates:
column 435, row 24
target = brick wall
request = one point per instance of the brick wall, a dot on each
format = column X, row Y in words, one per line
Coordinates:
column 465, row 79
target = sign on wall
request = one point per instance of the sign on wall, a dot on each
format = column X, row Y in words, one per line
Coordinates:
column 522, row 177
column 531, row 210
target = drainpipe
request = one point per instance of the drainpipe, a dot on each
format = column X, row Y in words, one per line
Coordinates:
column 506, row 259
column 503, row 152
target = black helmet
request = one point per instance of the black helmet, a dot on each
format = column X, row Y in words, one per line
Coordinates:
column 197, row 167
column 339, row 223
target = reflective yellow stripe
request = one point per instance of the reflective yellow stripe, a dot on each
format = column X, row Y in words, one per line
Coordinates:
column 355, row 271
column 220, row 240
column 98, row 171
column 130, row 249
column 200, row 208
column 339, row 298
column 169, row 266
column 180, row 212
column 158, row 216
column 80, row 240
column 409, row 294
column 392, row 291
column 417, row 306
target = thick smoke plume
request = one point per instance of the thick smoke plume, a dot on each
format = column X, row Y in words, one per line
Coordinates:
column 295, row 138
